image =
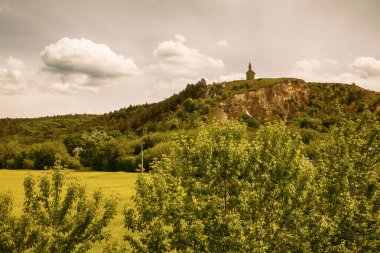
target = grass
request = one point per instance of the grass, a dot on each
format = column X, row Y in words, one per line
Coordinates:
column 240, row 86
column 120, row 184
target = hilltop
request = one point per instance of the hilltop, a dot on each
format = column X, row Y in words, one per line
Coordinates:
column 113, row 141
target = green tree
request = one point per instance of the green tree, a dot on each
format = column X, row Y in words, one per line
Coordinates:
column 108, row 155
column 348, row 161
column 11, row 155
column 52, row 221
column 7, row 223
column 43, row 155
column 219, row 193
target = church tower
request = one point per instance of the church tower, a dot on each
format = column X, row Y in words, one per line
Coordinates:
column 250, row 74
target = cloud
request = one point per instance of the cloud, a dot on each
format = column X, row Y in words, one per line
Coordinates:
column 173, row 56
column 349, row 78
column 81, row 64
column 72, row 83
column 367, row 67
column 223, row 43
column 86, row 57
column 11, row 82
column 15, row 63
column 307, row 65
column 306, row 69
column 180, row 38
column 364, row 71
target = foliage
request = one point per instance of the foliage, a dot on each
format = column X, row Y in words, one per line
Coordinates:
column 137, row 116
column 43, row 155
column 219, row 192
column 11, row 155
column 52, row 221
column 6, row 222
column 28, row 131
column 35, row 156
column 348, row 160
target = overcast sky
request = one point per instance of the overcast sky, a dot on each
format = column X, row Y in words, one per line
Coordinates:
column 95, row 56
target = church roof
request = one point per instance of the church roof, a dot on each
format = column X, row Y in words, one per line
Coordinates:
column 250, row 69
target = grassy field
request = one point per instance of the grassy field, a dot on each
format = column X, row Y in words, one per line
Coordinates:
column 120, row 184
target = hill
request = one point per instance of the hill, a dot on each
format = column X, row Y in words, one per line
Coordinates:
column 113, row 141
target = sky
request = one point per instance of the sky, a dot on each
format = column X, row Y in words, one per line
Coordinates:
column 94, row 56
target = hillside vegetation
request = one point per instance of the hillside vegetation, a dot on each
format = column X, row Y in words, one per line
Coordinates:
column 270, row 165
column 113, row 141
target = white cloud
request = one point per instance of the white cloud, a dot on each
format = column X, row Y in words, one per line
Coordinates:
column 367, row 67
column 11, row 82
column 346, row 77
column 307, row 65
column 174, row 57
column 179, row 38
column 15, row 63
column 306, row 69
column 86, row 57
column 80, row 64
column 223, row 43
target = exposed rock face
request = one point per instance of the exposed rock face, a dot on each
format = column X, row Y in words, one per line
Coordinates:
column 283, row 98
column 377, row 109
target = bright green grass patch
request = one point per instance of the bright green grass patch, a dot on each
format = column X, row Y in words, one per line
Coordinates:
column 120, row 184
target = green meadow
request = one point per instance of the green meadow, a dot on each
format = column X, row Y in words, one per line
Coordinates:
column 120, row 184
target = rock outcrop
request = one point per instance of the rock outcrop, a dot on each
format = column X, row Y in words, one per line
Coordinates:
column 282, row 98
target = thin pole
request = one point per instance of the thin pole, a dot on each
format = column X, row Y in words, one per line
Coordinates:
column 142, row 157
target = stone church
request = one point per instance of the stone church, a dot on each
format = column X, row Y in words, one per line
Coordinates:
column 250, row 74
